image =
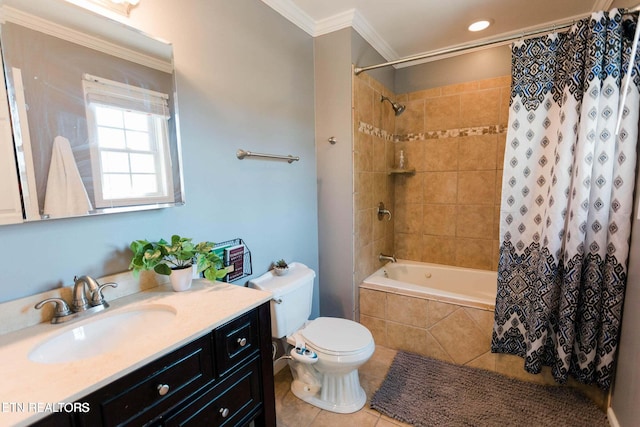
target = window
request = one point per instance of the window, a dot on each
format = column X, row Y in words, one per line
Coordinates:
column 129, row 143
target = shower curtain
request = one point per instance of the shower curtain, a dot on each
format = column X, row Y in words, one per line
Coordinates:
column 567, row 198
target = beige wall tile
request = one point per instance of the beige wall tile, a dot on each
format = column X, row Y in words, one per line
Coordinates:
column 373, row 303
column 441, row 154
column 390, row 157
column 438, row 311
column 504, row 81
column 364, row 226
column 440, row 187
column 434, row 349
column 413, row 155
column 408, row 218
column 407, row 310
column 495, row 255
column 408, row 189
column 460, row 88
column 460, row 337
column 381, row 189
column 474, row 253
column 424, row 94
column 477, row 152
column 481, row 108
column 486, row 361
column 439, row 220
column 501, row 145
column 379, row 161
column 483, row 318
column 407, row 338
column 365, row 190
column 505, row 98
column 364, row 263
column 365, row 150
column 475, row 221
column 475, row 187
column 408, row 246
column 377, row 327
column 412, row 120
column 498, row 193
column 364, row 101
column 438, row 249
column 441, row 113
column 496, row 222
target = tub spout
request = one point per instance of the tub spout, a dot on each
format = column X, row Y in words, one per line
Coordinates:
column 382, row 257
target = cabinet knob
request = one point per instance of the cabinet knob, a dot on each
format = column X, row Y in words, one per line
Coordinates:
column 224, row 412
column 163, row 389
column 242, row 342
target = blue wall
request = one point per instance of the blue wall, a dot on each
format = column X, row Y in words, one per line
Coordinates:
column 245, row 80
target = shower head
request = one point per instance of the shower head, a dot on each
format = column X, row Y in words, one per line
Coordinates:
column 398, row 108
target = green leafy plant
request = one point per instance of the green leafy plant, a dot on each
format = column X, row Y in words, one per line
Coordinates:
column 163, row 257
column 280, row 264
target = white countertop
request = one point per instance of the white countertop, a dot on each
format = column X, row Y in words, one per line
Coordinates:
column 25, row 385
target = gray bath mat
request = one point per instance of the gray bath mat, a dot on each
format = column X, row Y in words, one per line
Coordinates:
column 427, row 392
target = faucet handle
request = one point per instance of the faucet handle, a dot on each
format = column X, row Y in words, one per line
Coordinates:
column 61, row 309
column 96, row 295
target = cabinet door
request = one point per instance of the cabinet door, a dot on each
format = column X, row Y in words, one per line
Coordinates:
column 232, row 402
column 148, row 392
column 10, row 200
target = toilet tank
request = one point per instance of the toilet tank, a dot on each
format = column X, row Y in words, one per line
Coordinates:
column 292, row 295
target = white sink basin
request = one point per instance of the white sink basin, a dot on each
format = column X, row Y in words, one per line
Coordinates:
column 103, row 334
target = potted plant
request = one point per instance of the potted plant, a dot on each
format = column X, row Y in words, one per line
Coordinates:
column 176, row 260
column 280, row 267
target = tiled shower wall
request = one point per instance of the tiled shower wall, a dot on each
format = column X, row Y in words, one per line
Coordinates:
column 372, row 157
column 447, row 213
column 454, row 136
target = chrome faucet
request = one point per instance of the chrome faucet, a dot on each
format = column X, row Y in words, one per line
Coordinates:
column 80, row 305
column 383, row 257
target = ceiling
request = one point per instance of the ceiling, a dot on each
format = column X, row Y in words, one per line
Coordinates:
column 402, row 28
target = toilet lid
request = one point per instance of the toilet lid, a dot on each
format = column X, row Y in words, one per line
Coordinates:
column 333, row 335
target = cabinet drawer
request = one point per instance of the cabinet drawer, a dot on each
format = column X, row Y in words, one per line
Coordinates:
column 153, row 389
column 231, row 402
column 235, row 341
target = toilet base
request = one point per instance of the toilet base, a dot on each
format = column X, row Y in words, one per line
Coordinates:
column 338, row 393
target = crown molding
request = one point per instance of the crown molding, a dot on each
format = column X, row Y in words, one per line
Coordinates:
column 334, row 23
column 350, row 18
column 294, row 14
column 368, row 33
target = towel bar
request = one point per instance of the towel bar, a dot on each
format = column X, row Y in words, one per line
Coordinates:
column 241, row 154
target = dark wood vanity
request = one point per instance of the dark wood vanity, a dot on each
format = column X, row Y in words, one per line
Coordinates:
column 224, row 378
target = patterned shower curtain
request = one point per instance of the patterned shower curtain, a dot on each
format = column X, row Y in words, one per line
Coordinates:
column 567, row 199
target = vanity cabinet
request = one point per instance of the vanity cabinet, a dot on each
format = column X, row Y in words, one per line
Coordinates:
column 224, row 378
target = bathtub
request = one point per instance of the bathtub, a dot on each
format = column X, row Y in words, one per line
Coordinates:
column 462, row 286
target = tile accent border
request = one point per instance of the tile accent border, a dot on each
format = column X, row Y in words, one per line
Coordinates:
column 368, row 129
column 371, row 130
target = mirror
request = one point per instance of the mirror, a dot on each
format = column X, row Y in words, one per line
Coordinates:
column 92, row 109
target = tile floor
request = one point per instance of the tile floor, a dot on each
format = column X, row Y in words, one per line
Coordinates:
column 293, row 412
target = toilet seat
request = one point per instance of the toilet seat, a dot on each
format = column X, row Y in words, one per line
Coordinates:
column 335, row 336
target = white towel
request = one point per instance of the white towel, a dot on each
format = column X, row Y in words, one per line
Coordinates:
column 66, row 195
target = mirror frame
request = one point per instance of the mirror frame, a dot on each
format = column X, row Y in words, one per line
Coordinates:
column 74, row 24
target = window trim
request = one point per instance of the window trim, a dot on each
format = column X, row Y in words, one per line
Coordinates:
column 100, row 92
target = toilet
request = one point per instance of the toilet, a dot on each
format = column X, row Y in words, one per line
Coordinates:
column 325, row 352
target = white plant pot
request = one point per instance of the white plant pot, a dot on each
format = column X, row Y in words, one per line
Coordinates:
column 181, row 279
column 280, row 271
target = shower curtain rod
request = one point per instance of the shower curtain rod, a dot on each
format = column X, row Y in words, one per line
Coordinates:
column 468, row 46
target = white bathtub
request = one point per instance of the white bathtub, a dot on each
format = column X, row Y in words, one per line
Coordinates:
column 463, row 286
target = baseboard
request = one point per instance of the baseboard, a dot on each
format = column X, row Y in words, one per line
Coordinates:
column 611, row 416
